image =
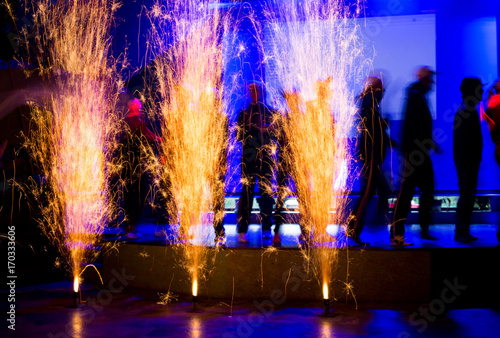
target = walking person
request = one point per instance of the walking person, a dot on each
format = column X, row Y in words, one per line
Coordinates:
column 467, row 152
column 417, row 145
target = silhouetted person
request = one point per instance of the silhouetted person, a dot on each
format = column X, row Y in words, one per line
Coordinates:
column 467, row 151
column 492, row 116
column 417, row 144
column 131, row 140
column 254, row 124
column 373, row 145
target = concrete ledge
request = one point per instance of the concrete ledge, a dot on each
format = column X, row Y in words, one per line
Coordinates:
column 375, row 275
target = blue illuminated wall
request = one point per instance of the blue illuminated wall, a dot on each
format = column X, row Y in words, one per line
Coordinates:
column 243, row 64
column 466, row 45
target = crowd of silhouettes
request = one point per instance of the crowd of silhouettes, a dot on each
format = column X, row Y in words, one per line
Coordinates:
column 260, row 132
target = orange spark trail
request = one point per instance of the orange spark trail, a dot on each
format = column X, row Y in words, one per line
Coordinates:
column 314, row 70
column 188, row 74
column 71, row 134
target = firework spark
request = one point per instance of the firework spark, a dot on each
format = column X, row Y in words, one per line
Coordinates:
column 71, row 131
column 313, row 71
column 186, row 41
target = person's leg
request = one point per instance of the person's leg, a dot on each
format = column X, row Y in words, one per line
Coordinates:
column 467, row 184
column 246, row 200
column 132, row 206
column 403, row 202
column 426, row 186
column 219, row 197
column 384, row 190
column 282, row 192
column 166, row 208
column 355, row 226
column 266, row 193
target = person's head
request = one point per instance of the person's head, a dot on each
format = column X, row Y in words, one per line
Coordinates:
column 425, row 75
column 374, row 85
column 472, row 89
column 134, row 107
column 255, row 91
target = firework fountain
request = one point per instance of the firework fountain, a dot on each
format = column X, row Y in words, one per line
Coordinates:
column 313, row 71
column 70, row 133
column 186, row 43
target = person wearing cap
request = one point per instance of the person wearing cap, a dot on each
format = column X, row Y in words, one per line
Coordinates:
column 467, row 152
column 417, row 144
column 373, row 144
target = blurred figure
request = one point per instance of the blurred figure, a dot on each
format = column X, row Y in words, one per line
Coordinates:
column 417, row 145
column 492, row 116
column 467, row 152
column 131, row 139
column 372, row 148
column 254, row 132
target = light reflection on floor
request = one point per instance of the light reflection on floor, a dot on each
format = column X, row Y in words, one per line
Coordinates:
column 46, row 310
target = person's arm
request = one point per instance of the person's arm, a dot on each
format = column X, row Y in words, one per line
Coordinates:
column 150, row 136
column 488, row 119
column 136, row 123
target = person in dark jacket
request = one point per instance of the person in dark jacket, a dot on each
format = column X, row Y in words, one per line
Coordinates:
column 373, row 145
column 417, row 144
column 467, row 152
column 255, row 134
column 131, row 139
